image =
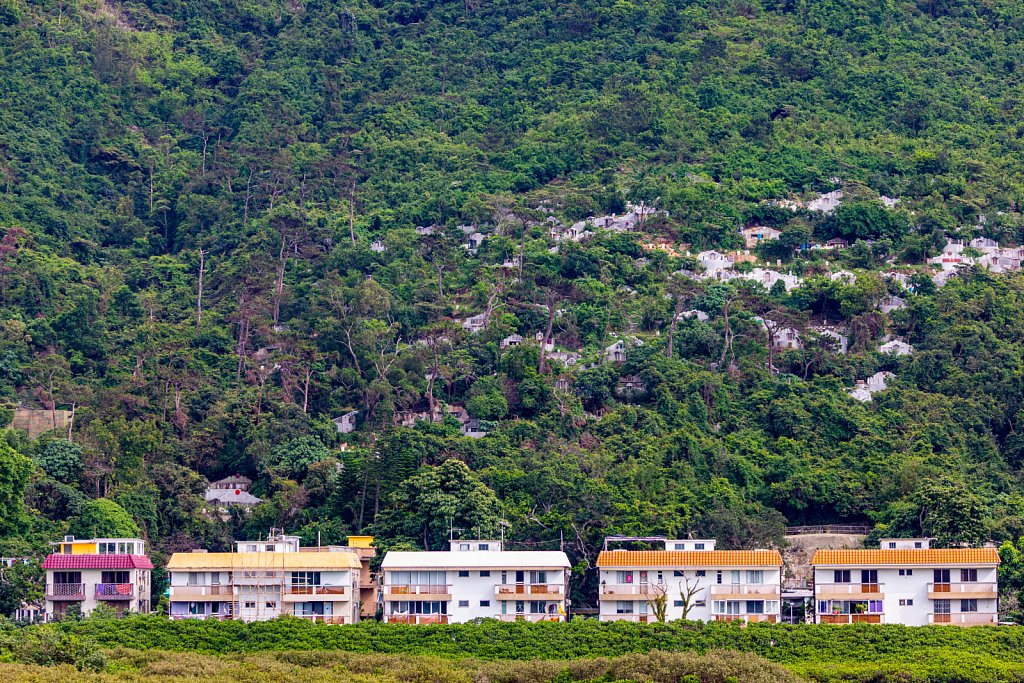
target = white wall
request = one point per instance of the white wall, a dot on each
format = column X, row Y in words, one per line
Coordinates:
column 908, row 587
column 140, row 578
column 706, row 581
column 476, row 589
column 263, row 602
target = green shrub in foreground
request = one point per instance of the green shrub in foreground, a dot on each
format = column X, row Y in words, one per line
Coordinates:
column 497, row 640
column 346, row 667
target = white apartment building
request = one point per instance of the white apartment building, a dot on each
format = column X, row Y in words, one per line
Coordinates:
column 906, row 582
column 266, row 579
column 98, row 571
column 475, row 579
column 693, row 579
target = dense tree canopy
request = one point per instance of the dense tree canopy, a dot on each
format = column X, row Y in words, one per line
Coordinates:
column 209, row 251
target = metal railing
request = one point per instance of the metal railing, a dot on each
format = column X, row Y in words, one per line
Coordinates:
column 749, row 618
column 417, row 618
column 633, row 588
column 963, row 618
column 417, row 589
column 190, row 592
column 323, row 619
column 115, row 591
column 639, row 618
column 963, row 587
column 851, row 618
column 65, row 591
column 850, row 588
column 528, row 588
column 745, row 589
column 529, row 617
column 316, row 590
column 855, row 529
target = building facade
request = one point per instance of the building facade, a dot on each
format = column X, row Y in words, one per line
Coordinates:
column 362, row 546
column 266, row 579
column 475, row 579
column 101, row 571
column 692, row 580
column 906, row 582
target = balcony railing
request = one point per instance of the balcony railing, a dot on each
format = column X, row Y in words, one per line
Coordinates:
column 762, row 589
column 65, row 591
column 323, row 619
column 115, row 591
column 527, row 589
column 963, row 618
column 633, row 588
column 316, row 590
column 749, row 618
column 966, row 587
column 274, row 579
column 850, row 618
column 850, row 588
column 636, row 618
column 529, row 617
column 196, row 592
column 417, row 618
column 403, row 592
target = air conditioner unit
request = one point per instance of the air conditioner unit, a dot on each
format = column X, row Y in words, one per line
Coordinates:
column 69, row 539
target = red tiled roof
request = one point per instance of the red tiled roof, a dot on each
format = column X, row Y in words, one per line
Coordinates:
column 689, row 558
column 906, row 556
column 57, row 561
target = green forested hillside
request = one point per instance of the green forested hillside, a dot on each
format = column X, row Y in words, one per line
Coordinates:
column 189, row 192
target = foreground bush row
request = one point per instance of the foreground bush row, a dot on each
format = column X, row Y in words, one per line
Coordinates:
column 341, row 667
column 152, row 648
column 496, row 640
column 821, row 653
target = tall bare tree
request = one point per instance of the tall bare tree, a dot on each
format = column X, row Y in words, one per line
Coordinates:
column 688, row 592
column 199, row 297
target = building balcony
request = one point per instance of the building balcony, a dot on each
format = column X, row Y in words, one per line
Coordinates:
column 964, row 618
column 115, row 591
column 271, row 579
column 851, row 618
column 65, row 591
column 200, row 593
column 323, row 619
column 635, row 618
column 315, row 593
column 849, row 591
column 964, row 590
column 421, row 619
column 765, row 591
column 748, row 618
column 532, row 618
column 430, row 592
column 200, row 617
column 612, row 591
column 530, row 591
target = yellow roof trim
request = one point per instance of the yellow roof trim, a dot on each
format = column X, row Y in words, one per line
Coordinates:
column 906, row 556
column 263, row 561
column 689, row 558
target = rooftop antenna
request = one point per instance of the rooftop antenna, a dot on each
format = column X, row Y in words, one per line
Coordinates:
column 452, row 529
column 501, row 525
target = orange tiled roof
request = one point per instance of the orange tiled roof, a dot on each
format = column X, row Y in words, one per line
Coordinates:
column 930, row 556
column 689, row 558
